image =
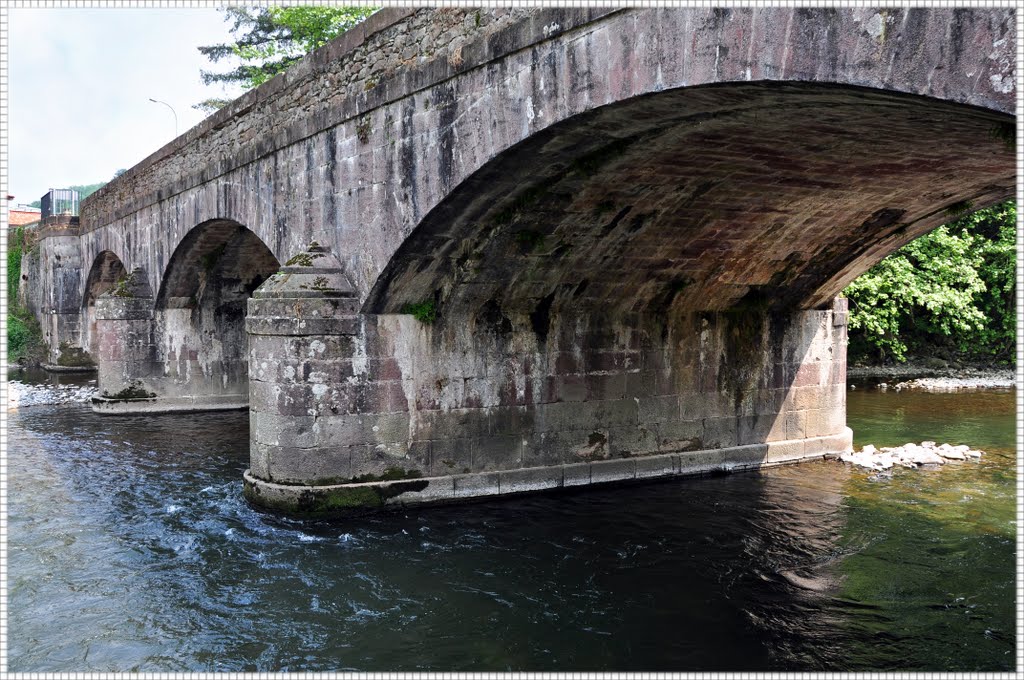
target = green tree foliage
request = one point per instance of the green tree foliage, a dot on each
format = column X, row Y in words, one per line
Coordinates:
column 24, row 336
column 270, row 39
column 951, row 290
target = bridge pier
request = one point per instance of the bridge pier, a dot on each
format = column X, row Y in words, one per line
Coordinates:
column 353, row 411
column 60, row 300
column 124, row 341
column 135, row 377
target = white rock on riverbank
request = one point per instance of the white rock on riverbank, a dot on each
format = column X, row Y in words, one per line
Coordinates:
column 917, row 377
column 954, row 384
column 909, row 455
column 20, row 394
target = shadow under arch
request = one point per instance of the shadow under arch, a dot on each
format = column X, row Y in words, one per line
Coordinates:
column 702, row 199
column 200, row 307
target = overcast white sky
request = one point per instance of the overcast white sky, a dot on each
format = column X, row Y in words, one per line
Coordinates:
column 79, row 87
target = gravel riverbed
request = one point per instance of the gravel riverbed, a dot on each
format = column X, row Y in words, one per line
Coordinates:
column 21, row 394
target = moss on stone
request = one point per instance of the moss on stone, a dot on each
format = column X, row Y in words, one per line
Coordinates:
column 745, row 323
column 523, row 200
column 342, row 498
column 590, row 164
column 389, row 475
column 300, row 260
column 335, row 501
column 210, row 259
column 132, row 391
column 122, row 287
column 530, row 239
column 1007, row 133
column 363, row 129
column 73, row 357
column 306, row 258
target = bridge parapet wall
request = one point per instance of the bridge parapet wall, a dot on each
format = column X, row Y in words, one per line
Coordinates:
column 391, row 55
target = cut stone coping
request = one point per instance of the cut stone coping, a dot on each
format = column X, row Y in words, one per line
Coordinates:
column 231, row 402
column 339, row 500
column 54, row 368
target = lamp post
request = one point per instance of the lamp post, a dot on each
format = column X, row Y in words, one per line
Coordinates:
column 157, row 101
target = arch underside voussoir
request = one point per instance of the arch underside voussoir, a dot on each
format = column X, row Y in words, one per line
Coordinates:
column 703, row 198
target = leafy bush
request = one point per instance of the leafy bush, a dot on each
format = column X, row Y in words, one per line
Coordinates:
column 951, row 290
column 424, row 312
column 24, row 336
column 15, row 247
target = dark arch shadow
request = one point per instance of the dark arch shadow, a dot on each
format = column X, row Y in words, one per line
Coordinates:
column 106, row 270
column 702, row 198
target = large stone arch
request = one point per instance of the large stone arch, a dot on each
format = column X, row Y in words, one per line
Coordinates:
column 617, row 230
column 355, row 146
column 621, row 245
column 186, row 347
column 918, row 63
column 699, row 198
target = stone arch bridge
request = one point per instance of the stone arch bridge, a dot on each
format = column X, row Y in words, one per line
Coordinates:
column 457, row 253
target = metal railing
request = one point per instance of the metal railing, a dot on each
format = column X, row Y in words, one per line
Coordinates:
column 59, row 202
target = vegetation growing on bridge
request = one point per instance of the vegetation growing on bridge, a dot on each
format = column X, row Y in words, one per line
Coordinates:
column 424, row 312
column 24, row 336
column 949, row 293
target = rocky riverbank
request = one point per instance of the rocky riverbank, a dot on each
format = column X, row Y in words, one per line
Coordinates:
column 929, row 378
column 20, row 394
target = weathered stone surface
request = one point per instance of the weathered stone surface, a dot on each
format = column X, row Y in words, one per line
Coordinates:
column 421, row 245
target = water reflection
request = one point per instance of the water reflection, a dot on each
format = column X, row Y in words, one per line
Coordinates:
column 131, row 549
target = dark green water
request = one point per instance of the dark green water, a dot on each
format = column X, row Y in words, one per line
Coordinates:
column 130, row 549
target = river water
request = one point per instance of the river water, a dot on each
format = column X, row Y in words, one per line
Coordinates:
column 131, row 549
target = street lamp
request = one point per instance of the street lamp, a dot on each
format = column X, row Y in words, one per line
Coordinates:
column 157, row 101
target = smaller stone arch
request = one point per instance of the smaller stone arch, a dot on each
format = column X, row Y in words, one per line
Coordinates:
column 106, row 272
column 200, row 342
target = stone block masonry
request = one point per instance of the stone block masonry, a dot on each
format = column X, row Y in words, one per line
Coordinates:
column 351, row 410
column 550, row 246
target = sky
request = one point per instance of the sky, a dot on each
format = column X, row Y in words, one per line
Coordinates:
column 80, row 81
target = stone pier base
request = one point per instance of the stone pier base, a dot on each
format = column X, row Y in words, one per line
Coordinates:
column 339, row 500
column 170, row 404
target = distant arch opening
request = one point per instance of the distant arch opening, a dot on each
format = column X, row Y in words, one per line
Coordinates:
column 200, row 310
column 107, row 271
